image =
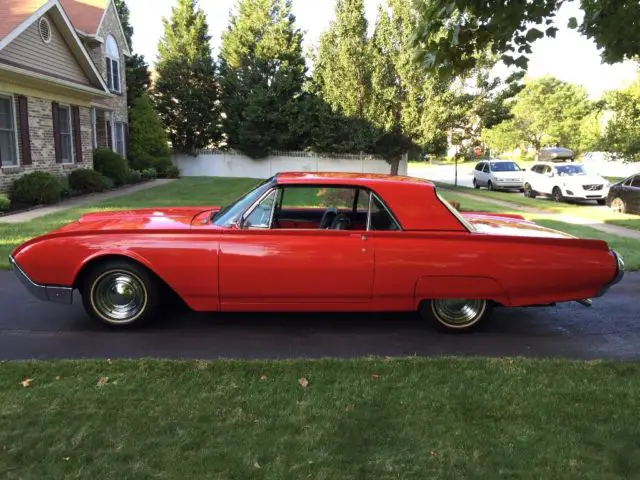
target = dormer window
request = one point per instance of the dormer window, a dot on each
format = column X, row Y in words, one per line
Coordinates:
column 113, row 64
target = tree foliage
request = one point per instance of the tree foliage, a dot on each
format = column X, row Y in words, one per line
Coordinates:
column 146, row 130
column 452, row 33
column 622, row 134
column 547, row 112
column 262, row 71
column 186, row 90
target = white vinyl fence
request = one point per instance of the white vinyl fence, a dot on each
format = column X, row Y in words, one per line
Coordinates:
column 216, row 163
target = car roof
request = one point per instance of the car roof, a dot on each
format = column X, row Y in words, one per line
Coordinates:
column 348, row 178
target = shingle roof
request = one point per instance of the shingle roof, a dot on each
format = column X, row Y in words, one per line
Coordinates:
column 85, row 15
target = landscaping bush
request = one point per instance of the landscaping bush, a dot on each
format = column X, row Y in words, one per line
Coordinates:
column 111, row 165
column 135, row 176
column 162, row 166
column 172, row 172
column 85, row 180
column 37, row 188
column 149, row 173
column 5, row 203
column 142, row 161
column 66, row 188
column 107, row 183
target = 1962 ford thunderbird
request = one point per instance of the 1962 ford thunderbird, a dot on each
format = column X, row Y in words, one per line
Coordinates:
column 316, row 242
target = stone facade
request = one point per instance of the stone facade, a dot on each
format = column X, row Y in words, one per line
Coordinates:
column 42, row 145
column 97, row 51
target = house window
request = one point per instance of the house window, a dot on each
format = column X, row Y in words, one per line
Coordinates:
column 66, row 135
column 113, row 64
column 8, row 136
column 119, row 138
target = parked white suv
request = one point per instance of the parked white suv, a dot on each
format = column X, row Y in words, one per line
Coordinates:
column 498, row 174
column 565, row 181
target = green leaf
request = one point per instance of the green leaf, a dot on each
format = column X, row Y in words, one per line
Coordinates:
column 573, row 23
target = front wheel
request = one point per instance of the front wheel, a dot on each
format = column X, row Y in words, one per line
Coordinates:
column 556, row 195
column 120, row 294
column 455, row 315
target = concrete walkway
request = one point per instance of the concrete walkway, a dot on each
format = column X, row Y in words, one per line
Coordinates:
column 83, row 200
column 575, row 220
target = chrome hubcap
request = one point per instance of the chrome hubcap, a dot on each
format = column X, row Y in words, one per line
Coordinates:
column 459, row 312
column 119, row 297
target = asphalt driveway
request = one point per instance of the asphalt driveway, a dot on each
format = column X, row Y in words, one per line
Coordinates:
column 30, row 329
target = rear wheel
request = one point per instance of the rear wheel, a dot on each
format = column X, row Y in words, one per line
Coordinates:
column 618, row 205
column 475, row 184
column 120, row 293
column 528, row 191
column 490, row 185
column 455, row 315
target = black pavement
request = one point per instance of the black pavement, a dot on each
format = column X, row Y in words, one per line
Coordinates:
column 610, row 329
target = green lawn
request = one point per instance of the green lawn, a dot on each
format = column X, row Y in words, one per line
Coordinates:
column 357, row 419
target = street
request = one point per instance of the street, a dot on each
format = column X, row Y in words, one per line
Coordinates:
column 31, row 329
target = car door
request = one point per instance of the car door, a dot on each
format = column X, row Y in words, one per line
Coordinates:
column 477, row 173
column 267, row 266
column 633, row 195
column 486, row 174
column 532, row 177
column 545, row 180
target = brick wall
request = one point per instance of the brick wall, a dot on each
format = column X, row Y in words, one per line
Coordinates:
column 42, row 145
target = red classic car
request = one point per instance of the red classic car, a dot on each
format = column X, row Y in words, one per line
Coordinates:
column 316, row 242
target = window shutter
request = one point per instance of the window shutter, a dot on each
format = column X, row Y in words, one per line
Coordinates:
column 25, row 134
column 109, row 136
column 56, row 131
column 116, row 75
column 109, row 77
column 77, row 138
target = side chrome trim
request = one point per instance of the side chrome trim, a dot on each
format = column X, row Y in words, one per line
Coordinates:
column 46, row 293
column 620, row 269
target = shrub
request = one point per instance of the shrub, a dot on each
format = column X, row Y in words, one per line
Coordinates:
column 85, row 180
column 172, row 172
column 147, row 134
column 107, row 183
column 135, row 176
column 5, row 203
column 111, row 165
column 66, row 188
column 142, row 161
column 37, row 188
column 149, row 173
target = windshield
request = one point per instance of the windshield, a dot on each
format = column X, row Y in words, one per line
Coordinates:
column 570, row 170
column 504, row 167
column 231, row 213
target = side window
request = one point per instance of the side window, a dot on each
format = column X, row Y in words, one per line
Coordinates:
column 260, row 216
column 636, row 181
column 479, row 166
column 536, row 169
column 381, row 219
column 318, row 197
column 485, row 168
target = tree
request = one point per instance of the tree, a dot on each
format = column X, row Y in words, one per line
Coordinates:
column 622, row 134
column 147, row 133
column 136, row 67
column 550, row 112
column 262, row 71
column 452, row 33
column 342, row 66
column 503, row 137
column 186, row 90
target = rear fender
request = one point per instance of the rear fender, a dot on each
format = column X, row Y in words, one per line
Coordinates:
column 430, row 287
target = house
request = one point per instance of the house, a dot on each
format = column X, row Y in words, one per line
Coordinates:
column 62, row 85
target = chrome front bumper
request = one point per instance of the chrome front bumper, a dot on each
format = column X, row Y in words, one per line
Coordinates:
column 46, row 293
column 618, row 276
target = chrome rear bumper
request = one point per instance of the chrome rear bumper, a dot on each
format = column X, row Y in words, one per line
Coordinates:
column 618, row 276
column 46, row 293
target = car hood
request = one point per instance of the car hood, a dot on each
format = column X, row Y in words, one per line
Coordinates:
column 168, row 218
column 515, row 226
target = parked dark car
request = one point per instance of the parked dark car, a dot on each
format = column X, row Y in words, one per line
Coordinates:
column 624, row 196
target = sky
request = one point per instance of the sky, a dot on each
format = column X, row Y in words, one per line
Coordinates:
column 569, row 57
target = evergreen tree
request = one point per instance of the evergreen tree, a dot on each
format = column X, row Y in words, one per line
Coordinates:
column 262, row 71
column 342, row 67
column 186, row 91
column 148, row 136
column 136, row 67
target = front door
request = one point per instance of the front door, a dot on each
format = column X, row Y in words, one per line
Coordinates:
column 289, row 265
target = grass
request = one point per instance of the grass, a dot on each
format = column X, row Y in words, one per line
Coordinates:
column 357, row 419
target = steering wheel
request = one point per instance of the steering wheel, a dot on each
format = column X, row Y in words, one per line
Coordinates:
column 326, row 221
